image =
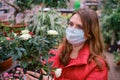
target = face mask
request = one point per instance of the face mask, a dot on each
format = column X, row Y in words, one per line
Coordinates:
column 75, row 36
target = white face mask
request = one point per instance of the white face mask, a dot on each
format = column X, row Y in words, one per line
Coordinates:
column 75, row 36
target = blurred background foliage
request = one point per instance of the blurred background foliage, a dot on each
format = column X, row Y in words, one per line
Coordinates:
column 22, row 5
column 27, row 4
column 111, row 20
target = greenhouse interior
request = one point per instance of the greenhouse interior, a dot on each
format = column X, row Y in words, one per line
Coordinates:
column 59, row 39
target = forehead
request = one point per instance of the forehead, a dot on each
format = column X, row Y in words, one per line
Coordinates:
column 76, row 19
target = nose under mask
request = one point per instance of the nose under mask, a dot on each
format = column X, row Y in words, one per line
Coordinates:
column 75, row 36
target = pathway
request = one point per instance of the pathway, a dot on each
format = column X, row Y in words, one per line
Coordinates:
column 114, row 73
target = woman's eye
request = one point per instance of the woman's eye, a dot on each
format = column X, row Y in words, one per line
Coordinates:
column 79, row 27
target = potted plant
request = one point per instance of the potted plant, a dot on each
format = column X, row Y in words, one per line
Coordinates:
column 36, row 49
column 31, row 51
column 48, row 23
column 5, row 57
column 9, row 45
column 117, row 58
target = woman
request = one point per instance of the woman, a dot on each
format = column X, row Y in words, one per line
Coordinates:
column 80, row 56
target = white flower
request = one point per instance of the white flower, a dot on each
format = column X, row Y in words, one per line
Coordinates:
column 58, row 72
column 2, row 41
column 25, row 31
column 25, row 36
column 15, row 34
column 52, row 32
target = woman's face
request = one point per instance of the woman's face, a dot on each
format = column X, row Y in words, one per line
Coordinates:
column 74, row 32
column 75, row 22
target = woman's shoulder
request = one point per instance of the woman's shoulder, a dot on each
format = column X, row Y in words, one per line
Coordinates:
column 99, row 62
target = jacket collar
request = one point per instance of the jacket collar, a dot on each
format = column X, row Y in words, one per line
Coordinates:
column 82, row 58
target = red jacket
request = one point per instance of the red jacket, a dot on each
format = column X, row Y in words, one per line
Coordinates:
column 79, row 68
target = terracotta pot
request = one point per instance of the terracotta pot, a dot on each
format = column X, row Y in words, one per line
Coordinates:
column 6, row 23
column 118, row 63
column 6, row 64
column 19, row 25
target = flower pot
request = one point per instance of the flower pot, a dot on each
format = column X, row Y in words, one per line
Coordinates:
column 19, row 25
column 6, row 64
column 118, row 63
column 119, row 47
column 6, row 23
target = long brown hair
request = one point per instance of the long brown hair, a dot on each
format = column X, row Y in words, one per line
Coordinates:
column 92, row 30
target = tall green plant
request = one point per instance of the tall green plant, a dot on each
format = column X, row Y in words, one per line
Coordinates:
column 51, row 20
column 111, row 18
